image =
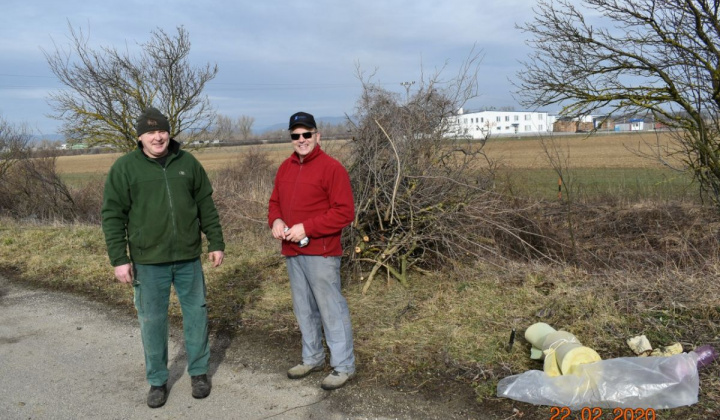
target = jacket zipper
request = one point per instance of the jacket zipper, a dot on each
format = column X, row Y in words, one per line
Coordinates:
column 295, row 191
column 172, row 212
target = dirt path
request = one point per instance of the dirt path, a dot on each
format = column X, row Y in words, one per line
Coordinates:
column 62, row 357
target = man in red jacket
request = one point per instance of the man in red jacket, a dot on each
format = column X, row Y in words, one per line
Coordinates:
column 311, row 203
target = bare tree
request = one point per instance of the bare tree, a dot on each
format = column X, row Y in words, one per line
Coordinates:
column 47, row 144
column 108, row 88
column 224, row 129
column 635, row 56
column 244, row 125
column 334, row 131
column 14, row 142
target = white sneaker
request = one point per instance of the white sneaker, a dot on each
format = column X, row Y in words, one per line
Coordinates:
column 303, row 370
column 336, row 380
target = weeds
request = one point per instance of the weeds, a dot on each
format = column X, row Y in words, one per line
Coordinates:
column 647, row 268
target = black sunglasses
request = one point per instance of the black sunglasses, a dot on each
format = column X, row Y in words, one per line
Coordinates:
column 306, row 135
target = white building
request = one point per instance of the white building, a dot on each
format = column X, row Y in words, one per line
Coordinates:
column 483, row 124
column 634, row 124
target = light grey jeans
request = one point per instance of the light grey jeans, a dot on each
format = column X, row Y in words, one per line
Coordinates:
column 319, row 304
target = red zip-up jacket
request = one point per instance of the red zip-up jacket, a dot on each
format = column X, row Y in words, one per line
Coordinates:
column 316, row 193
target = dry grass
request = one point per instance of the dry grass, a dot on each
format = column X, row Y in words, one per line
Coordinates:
column 606, row 151
column 452, row 325
column 86, row 164
column 212, row 158
column 600, row 151
column 650, row 269
column 59, row 256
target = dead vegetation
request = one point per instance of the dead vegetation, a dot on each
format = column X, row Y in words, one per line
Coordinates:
column 420, row 197
column 647, row 269
column 642, row 268
column 242, row 190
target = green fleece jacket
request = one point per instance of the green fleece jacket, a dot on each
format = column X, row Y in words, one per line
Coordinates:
column 158, row 213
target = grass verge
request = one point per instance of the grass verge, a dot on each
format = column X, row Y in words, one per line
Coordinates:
column 445, row 333
column 623, row 185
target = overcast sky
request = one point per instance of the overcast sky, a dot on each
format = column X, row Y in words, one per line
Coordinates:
column 274, row 57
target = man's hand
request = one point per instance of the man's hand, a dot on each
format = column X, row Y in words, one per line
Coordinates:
column 216, row 258
column 124, row 273
column 295, row 233
column 278, row 229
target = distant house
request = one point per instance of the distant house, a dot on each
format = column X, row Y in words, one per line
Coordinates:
column 583, row 124
column 481, row 124
column 631, row 124
column 572, row 125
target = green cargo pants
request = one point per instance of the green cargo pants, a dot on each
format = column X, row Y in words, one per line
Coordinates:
column 152, row 295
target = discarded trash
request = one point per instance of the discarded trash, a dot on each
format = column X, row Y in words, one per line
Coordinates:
column 574, row 376
column 511, row 341
column 563, row 351
column 640, row 345
column 675, row 348
column 625, row 382
column 706, row 355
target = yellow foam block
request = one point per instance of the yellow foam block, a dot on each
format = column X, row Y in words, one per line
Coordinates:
column 571, row 355
column 536, row 333
column 557, row 339
column 640, row 345
column 675, row 348
column 550, row 366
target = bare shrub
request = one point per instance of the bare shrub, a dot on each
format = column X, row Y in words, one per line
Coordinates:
column 423, row 200
column 88, row 200
column 519, row 231
column 13, row 145
column 638, row 237
column 651, row 235
column 242, row 191
column 32, row 189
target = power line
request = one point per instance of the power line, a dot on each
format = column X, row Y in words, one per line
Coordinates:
column 26, row 75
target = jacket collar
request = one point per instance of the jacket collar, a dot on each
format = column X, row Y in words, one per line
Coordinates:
column 173, row 148
column 310, row 156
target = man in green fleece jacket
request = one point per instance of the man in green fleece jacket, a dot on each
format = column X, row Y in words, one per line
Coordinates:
column 156, row 203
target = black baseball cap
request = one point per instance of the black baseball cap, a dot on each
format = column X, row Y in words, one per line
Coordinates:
column 302, row 118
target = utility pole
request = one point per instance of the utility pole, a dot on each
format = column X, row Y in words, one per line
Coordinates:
column 407, row 89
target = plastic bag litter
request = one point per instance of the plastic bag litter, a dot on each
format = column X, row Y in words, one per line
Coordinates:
column 625, row 382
